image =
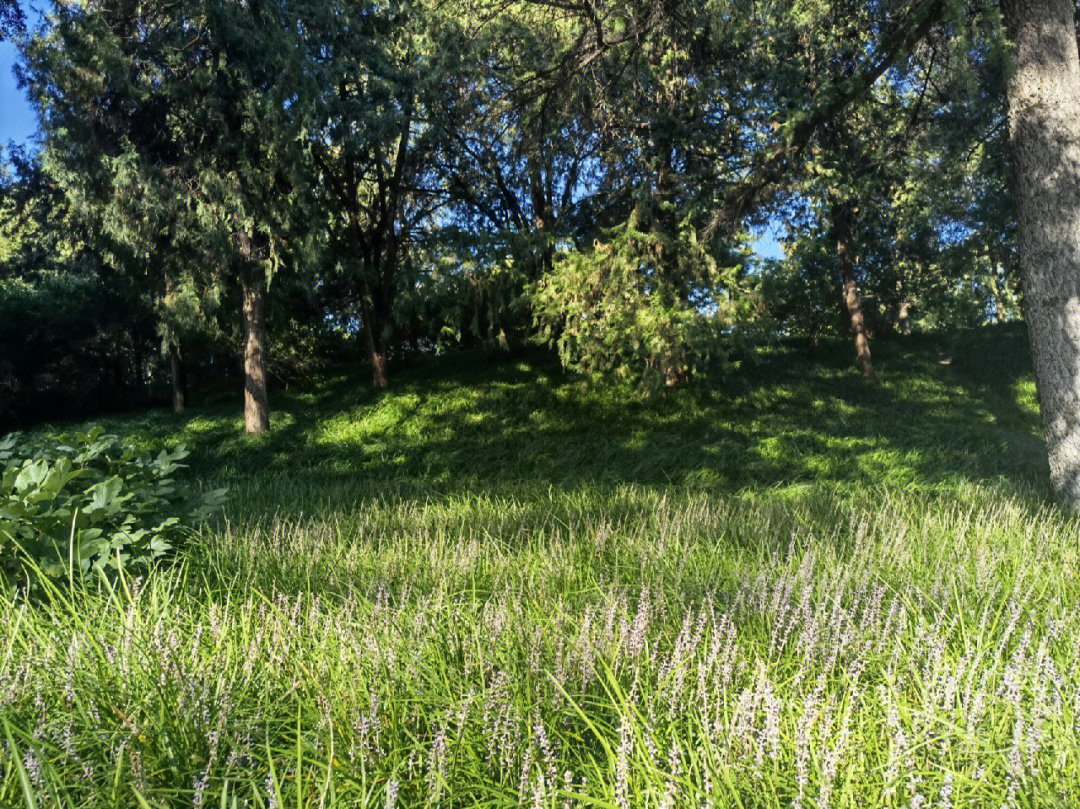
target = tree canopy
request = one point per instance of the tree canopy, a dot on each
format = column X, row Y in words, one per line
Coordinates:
column 283, row 184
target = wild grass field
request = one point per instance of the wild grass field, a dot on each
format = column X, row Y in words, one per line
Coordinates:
column 496, row 586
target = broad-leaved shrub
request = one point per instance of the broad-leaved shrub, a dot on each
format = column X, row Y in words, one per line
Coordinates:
column 88, row 501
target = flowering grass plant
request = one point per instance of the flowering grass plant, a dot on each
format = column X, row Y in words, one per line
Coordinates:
column 654, row 638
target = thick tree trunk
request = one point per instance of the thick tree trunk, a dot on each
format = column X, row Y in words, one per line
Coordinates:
column 179, row 379
column 256, row 406
column 1044, row 129
column 841, row 224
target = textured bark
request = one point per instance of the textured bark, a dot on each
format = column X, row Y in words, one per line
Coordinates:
column 1044, row 130
column 379, row 376
column 999, row 309
column 179, row 379
column 256, row 406
column 841, row 225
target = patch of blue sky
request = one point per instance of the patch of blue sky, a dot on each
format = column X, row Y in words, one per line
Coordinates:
column 18, row 120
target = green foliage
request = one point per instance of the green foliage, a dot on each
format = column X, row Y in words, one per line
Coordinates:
column 917, row 175
column 87, row 503
column 645, row 303
column 416, row 172
column 461, row 292
column 73, row 345
column 425, row 576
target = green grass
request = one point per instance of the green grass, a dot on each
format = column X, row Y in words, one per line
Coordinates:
column 496, row 586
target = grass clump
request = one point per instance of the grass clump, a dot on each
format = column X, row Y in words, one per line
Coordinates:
column 498, row 588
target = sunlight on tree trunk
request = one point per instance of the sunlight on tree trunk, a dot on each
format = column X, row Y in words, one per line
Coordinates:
column 903, row 319
column 1044, row 129
column 256, row 407
column 379, row 375
column 852, row 300
column 376, row 350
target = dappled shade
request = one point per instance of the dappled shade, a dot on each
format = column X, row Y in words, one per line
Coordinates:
column 791, row 415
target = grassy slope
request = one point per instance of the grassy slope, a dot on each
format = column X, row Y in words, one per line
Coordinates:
column 782, row 585
column 790, row 416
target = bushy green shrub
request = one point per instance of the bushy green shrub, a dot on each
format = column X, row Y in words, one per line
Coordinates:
column 649, row 302
column 88, row 501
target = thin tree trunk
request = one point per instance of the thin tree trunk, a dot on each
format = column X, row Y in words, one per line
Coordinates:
column 376, row 350
column 542, row 213
column 999, row 309
column 841, row 224
column 995, row 292
column 256, row 406
column 1044, row 130
column 176, row 362
column 179, row 379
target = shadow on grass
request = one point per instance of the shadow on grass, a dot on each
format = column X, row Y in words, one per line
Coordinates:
column 792, row 415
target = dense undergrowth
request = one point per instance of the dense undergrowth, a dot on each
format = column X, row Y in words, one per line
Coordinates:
column 495, row 586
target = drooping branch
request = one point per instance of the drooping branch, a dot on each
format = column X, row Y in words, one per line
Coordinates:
column 800, row 127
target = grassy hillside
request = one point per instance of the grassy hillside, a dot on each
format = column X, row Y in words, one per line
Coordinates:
column 494, row 585
column 940, row 414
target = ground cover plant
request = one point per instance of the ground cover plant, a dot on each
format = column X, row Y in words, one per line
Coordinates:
column 84, row 500
column 495, row 585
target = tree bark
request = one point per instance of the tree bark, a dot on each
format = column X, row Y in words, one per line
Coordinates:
column 903, row 319
column 542, row 217
column 999, row 306
column 256, row 406
column 841, row 226
column 179, row 379
column 1044, row 131
column 373, row 328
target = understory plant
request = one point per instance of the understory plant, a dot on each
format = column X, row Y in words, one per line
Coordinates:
column 86, row 501
column 649, row 302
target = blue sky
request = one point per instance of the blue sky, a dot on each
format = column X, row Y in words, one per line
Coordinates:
column 17, row 120
column 768, row 242
column 18, row 123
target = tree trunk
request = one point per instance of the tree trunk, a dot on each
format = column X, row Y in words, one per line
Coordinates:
column 179, row 379
column 1044, row 130
column 256, row 407
column 903, row 319
column 841, row 224
column 995, row 293
column 376, row 349
column 176, row 362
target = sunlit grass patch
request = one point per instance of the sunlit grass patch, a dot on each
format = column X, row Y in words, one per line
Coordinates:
column 475, row 591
